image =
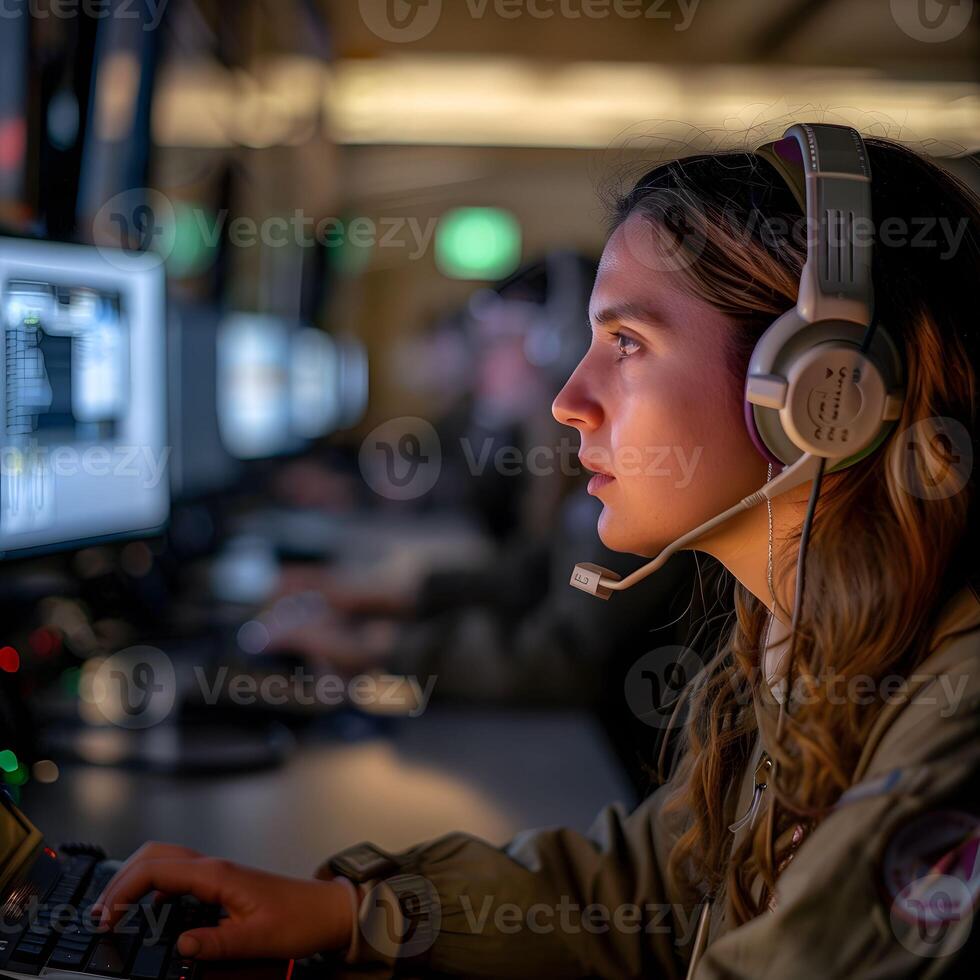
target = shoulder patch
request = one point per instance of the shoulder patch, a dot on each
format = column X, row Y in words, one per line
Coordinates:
column 930, row 873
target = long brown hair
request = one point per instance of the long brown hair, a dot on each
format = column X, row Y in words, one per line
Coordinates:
column 882, row 558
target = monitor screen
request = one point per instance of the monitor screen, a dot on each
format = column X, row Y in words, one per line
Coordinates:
column 315, row 390
column 280, row 384
column 354, row 381
column 83, row 445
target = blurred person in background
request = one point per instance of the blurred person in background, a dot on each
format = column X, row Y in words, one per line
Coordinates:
column 510, row 631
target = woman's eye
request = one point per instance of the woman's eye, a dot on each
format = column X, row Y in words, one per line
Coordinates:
column 626, row 345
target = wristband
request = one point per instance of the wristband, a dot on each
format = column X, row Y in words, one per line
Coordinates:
column 363, row 862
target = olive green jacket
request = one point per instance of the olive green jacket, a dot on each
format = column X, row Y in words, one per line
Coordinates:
column 854, row 901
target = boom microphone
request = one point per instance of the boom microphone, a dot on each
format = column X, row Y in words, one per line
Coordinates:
column 602, row 582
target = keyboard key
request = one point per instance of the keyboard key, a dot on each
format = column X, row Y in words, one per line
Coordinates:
column 149, row 962
column 20, row 966
column 180, row 969
column 28, row 951
column 62, row 957
column 108, row 959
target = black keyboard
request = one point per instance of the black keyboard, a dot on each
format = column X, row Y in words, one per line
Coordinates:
column 62, row 936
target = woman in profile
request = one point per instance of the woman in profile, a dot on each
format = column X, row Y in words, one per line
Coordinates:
column 838, row 841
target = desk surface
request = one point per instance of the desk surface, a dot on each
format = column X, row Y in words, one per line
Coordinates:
column 490, row 773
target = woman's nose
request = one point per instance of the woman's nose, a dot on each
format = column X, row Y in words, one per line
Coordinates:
column 574, row 407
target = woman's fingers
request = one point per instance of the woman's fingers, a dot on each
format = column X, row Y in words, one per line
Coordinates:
column 268, row 916
column 151, row 851
column 204, row 878
column 227, row 941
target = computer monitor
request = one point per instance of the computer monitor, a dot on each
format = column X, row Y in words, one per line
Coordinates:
column 283, row 383
column 254, row 373
column 354, row 381
column 315, row 389
column 83, row 444
column 200, row 465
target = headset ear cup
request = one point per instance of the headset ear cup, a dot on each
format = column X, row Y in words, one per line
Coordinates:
column 756, row 436
column 886, row 430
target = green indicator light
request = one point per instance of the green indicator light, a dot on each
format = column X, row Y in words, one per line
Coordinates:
column 350, row 243
column 71, row 680
column 8, row 761
column 478, row 243
column 18, row 777
column 196, row 234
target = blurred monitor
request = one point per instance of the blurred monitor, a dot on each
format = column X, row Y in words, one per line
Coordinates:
column 83, row 445
column 200, row 465
column 254, row 397
column 315, row 390
column 282, row 383
column 353, row 381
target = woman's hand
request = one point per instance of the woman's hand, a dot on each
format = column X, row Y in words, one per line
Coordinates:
column 269, row 916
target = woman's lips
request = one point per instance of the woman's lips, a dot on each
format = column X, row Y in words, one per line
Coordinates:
column 598, row 481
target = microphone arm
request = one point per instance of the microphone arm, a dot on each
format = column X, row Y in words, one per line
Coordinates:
column 602, row 582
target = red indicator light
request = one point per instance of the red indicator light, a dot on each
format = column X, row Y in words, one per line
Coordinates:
column 51, row 853
column 9, row 660
column 44, row 642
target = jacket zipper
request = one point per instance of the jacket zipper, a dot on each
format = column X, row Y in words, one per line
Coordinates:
column 762, row 771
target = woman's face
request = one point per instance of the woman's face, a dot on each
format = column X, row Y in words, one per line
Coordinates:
column 655, row 402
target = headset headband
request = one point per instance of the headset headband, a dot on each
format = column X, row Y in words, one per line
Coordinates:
column 827, row 169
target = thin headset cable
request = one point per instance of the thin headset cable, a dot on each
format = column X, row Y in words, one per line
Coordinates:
column 797, row 612
column 798, row 607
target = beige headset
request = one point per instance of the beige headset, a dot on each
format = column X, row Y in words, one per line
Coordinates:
column 825, row 381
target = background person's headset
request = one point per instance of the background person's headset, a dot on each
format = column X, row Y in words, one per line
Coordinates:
column 825, row 382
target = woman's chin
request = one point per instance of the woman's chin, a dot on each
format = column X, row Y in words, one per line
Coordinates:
column 617, row 535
